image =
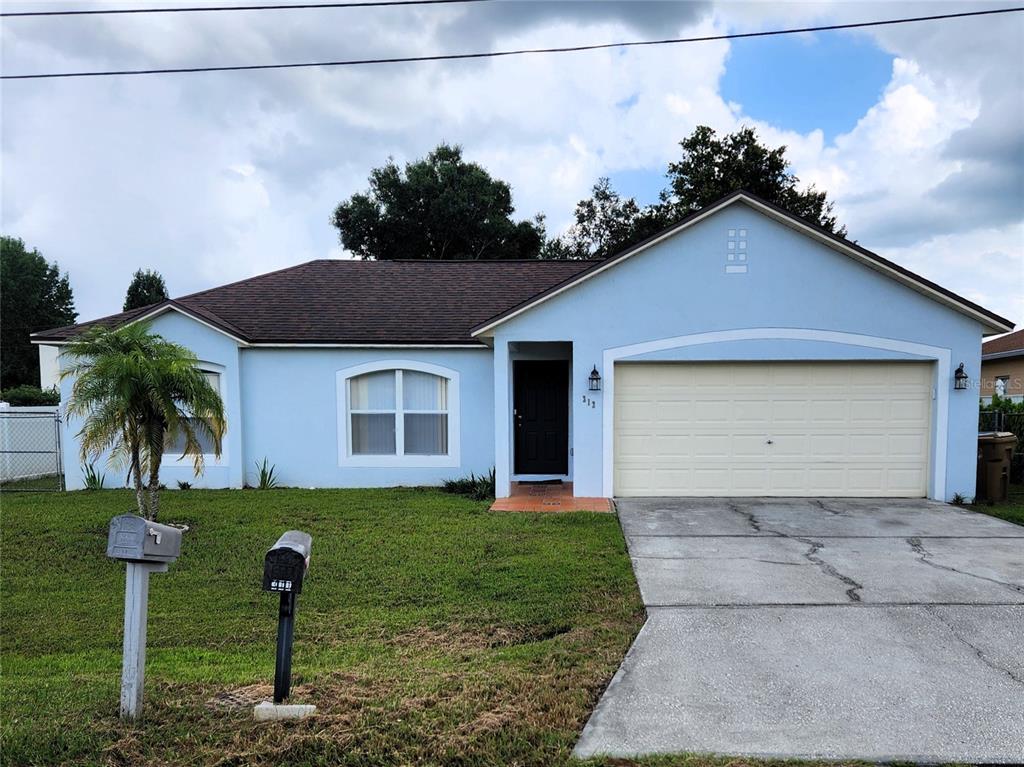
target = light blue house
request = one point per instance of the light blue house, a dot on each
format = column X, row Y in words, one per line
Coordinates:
column 740, row 352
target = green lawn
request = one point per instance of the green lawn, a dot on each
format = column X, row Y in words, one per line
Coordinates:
column 47, row 482
column 430, row 632
column 1011, row 511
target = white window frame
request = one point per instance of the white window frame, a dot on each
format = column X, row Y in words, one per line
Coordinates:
column 176, row 460
column 345, row 456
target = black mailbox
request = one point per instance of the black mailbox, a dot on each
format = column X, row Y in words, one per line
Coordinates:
column 284, row 568
column 286, row 562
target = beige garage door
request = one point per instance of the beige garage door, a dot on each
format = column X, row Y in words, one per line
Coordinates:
column 772, row 428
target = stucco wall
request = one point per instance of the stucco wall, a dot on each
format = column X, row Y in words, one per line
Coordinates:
column 680, row 287
column 282, row 404
column 218, row 352
column 290, row 409
column 49, row 366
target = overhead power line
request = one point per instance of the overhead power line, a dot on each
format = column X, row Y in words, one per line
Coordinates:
column 214, row 8
column 517, row 52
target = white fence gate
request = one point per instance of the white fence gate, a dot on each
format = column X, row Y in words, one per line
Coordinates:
column 30, row 455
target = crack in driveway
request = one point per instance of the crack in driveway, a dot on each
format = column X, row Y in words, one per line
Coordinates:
column 749, row 516
column 924, row 556
column 821, row 505
column 977, row 650
column 811, row 555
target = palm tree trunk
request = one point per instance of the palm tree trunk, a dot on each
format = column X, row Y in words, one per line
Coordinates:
column 136, row 469
column 156, row 454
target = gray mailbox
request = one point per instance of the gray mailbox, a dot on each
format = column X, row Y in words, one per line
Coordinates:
column 146, row 547
column 135, row 539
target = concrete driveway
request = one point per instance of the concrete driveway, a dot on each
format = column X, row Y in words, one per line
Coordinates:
column 847, row 629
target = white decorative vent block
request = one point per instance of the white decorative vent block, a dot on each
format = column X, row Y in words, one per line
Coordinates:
column 736, row 251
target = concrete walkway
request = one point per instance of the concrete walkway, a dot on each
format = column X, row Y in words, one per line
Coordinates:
column 843, row 629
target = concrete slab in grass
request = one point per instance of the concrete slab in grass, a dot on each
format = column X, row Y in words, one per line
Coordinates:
column 876, row 683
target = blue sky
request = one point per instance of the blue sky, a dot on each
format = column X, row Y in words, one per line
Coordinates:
column 797, row 83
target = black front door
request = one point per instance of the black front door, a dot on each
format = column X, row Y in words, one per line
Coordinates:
column 541, row 416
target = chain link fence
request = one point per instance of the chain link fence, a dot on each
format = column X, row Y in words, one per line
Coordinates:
column 30, row 454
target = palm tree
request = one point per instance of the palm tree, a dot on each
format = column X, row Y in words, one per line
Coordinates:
column 136, row 391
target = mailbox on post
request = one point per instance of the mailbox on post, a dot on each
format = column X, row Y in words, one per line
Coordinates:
column 285, row 564
column 284, row 570
column 147, row 547
column 136, row 539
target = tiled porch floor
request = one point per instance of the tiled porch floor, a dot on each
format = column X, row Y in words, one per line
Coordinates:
column 548, row 497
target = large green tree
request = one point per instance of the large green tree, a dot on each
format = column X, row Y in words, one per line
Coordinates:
column 439, row 207
column 710, row 168
column 34, row 296
column 147, row 287
column 136, row 393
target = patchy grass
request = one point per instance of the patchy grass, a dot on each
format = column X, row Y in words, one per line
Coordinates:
column 431, row 632
column 1011, row 511
column 45, row 482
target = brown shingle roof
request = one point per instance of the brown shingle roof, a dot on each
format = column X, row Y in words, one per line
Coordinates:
column 362, row 302
column 1005, row 345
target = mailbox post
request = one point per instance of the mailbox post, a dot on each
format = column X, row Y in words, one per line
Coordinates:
column 284, row 569
column 147, row 547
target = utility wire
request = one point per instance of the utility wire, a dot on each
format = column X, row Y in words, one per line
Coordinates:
column 209, row 8
column 518, row 52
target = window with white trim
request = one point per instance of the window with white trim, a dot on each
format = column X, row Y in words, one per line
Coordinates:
column 174, row 445
column 398, row 413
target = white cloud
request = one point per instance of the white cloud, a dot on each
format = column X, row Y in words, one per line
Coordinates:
column 214, row 177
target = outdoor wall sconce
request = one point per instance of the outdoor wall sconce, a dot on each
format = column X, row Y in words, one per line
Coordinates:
column 595, row 380
column 960, row 378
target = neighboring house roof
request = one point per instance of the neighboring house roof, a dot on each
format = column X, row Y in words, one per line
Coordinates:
column 992, row 321
column 1010, row 345
column 357, row 302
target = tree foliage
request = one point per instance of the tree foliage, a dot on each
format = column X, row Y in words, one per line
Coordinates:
column 439, row 207
column 606, row 223
column 137, row 391
column 710, row 168
column 34, row 296
column 147, row 287
column 27, row 395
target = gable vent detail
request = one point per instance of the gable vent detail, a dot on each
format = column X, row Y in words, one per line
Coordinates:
column 736, row 251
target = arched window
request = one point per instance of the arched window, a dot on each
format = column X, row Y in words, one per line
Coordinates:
column 398, row 413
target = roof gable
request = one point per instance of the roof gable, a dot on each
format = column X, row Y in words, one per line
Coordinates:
column 992, row 322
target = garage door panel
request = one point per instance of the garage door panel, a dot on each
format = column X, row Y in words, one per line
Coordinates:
column 836, row 428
